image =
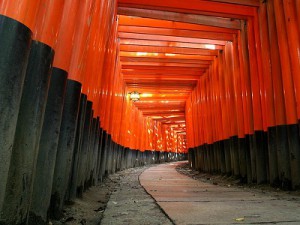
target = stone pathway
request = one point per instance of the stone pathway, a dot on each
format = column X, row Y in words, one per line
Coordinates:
column 177, row 199
column 189, row 201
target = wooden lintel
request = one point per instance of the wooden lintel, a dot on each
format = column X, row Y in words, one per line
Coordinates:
column 240, row 2
column 181, row 17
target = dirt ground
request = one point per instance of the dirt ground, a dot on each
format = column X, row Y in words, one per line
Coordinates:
column 89, row 209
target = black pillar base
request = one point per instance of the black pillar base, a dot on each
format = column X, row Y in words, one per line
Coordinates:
column 48, row 146
column 15, row 39
column 261, row 158
column 273, row 161
column 294, row 150
column 82, row 172
column 65, row 149
column 28, row 132
column 284, row 167
column 235, row 165
column 77, row 149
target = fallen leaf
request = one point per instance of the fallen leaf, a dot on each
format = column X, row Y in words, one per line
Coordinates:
column 240, row 219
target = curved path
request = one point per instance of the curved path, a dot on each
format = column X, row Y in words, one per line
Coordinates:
column 189, row 201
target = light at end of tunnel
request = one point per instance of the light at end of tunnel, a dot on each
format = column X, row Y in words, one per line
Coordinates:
column 134, row 96
column 212, row 47
column 141, row 53
column 169, row 54
column 146, row 54
column 146, row 95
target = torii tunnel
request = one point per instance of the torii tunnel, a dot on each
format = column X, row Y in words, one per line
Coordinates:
column 218, row 83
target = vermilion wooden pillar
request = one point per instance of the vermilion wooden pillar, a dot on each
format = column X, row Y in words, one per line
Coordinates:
column 293, row 37
column 268, row 94
column 289, row 95
column 290, row 100
column 50, row 135
column 248, row 103
column 298, row 13
column 31, row 112
column 239, row 112
column 278, row 95
column 261, row 136
column 17, row 22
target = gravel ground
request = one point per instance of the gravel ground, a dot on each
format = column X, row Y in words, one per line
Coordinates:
column 89, row 209
column 119, row 199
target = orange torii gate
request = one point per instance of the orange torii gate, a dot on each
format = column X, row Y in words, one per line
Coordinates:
column 218, row 81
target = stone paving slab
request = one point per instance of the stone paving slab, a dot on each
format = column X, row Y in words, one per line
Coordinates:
column 188, row 201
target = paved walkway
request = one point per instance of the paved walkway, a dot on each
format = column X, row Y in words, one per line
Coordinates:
column 188, row 201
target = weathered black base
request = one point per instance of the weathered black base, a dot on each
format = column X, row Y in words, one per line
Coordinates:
column 15, row 39
column 65, row 149
column 28, row 132
column 48, row 145
column 264, row 157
